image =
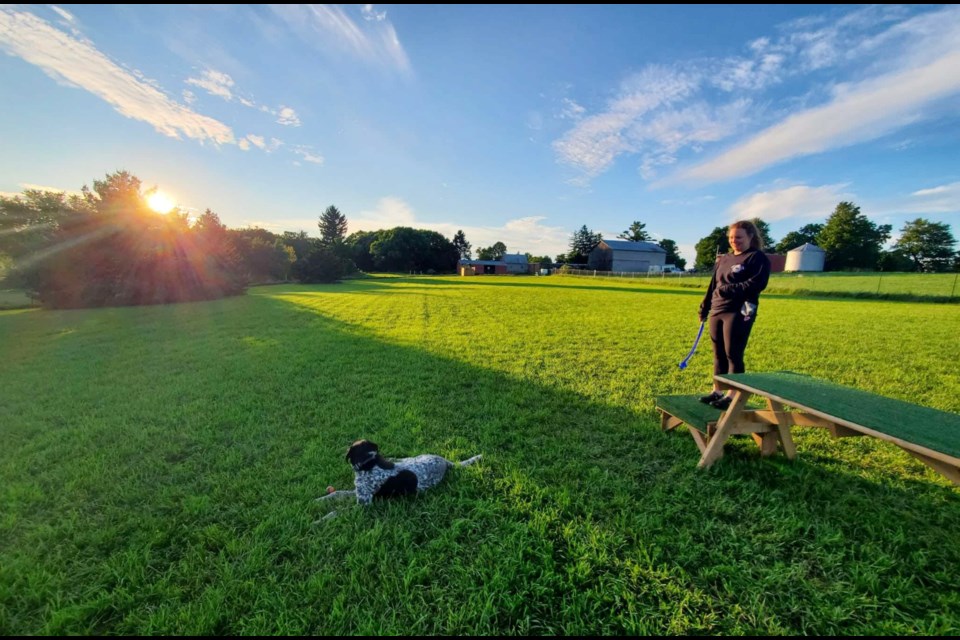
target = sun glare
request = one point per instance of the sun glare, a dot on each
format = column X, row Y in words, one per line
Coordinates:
column 160, row 202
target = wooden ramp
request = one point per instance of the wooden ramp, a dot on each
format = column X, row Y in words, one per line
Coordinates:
column 703, row 421
column 930, row 435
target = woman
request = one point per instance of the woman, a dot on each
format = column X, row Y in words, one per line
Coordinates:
column 732, row 300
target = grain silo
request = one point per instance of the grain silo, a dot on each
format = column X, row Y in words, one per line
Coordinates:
column 807, row 257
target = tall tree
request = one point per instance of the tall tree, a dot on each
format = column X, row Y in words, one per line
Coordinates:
column 636, row 233
column 709, row 247
column 928, row 244
column 333, row 226
column 806, row 234
column 582, row 243
column 673, row 257
column 463, row 247
column 850, row 240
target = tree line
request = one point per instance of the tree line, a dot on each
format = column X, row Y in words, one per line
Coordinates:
column 850, row 240
column 107, row 247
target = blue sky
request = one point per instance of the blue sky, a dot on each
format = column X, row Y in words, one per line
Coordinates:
column 516, row 124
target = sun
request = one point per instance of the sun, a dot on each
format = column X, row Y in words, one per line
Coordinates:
column 160, row 202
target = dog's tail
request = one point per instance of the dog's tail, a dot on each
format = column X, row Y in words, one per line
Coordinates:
column 470, row 461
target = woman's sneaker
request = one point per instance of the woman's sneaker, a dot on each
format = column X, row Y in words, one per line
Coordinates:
column 723, row 403
column 712, row 397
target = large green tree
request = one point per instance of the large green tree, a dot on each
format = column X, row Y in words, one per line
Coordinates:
column 636, row 232
column 806, row 234
column 709, row 247
column 851, row 241
column 333, row 227
column 928, row 244
column 673, row 255
column 496, row 251
column 407, row 249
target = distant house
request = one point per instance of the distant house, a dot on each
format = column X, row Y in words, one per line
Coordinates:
column 626, row 255
column 511, row 263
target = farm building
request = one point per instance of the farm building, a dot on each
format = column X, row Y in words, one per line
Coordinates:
column 511, row 263
column 626, row 255
column 807, row 257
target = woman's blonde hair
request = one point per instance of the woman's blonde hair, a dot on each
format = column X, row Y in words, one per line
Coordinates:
column 756, row 240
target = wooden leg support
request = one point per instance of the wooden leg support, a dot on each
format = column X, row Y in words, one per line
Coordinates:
column 724, row 428
column 783, row 429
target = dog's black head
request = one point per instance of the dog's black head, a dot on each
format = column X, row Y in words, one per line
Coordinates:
column 363, row 455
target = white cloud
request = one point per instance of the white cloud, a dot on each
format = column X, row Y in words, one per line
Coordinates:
column 374, row 40
column 189, row 96
column 795, row 202
column 370, row 14
column 215, row 83
column 222, row 85
column 244, row 144
column 63, row 13
column 77, row 63
column 308, row 154
column 257, row 141
column 858, row 113
column 289, row 117
column 595, row 142
column 941, row 199
column 570, row 110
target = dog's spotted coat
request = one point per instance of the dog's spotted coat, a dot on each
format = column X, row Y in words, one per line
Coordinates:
column 429, row 470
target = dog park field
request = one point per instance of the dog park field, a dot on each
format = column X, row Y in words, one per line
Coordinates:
column 160, row 464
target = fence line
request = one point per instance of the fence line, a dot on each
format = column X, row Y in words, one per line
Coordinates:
column 922, row 287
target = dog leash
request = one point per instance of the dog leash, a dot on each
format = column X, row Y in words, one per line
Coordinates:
column 683, row 364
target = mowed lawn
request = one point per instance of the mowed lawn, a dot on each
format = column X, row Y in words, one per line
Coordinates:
column 159, row 467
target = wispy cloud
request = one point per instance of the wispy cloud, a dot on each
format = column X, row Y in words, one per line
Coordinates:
column 942, row 199
column 215, row 83
column 857, row 113
column 77, row 63
column 308, row 154
column 795, row 202
column 891, row 68
column 328, row 27
column 220, row 84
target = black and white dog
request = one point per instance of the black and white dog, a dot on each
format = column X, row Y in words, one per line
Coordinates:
column 376, row 477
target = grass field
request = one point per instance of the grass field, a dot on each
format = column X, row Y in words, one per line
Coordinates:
column 159, row 466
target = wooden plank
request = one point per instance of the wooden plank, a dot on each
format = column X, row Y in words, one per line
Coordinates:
column 952, row 472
